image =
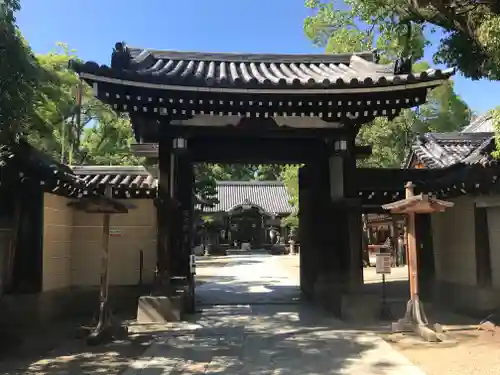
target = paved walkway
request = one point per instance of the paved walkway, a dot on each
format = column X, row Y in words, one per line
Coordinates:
column 270, row 333
column 246, row 280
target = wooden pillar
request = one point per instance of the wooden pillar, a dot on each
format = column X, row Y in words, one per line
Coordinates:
column 355, row 245
column 348, row 221
column 394, row 239
column 27, row 240
column 303, row 231
column 306, row 233
column 182, row 213
column 354, row 212
column 330, row 227
column 184, row 195
column 163, row 210
column 425, row 254
column 483, row 250
column 412, row 251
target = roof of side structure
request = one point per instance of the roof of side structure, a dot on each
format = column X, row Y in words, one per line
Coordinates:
column 439, row 150
column 481, row 124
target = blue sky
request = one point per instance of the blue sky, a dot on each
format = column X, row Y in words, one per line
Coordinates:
column 92, row 27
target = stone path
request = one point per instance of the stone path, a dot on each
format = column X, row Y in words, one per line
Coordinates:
column 265, row 335
column 247, row 280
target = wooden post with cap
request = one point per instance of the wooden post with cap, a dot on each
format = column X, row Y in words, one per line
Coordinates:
column 412, row 246
column 415, row 319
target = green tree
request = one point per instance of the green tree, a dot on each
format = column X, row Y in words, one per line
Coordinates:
column 269, row 172
column 91, row 133
column 236, row 172
column 55, row 105
column 352, row 29
column 205, row 183
column 290, row 177
column 444, row 110
column 471, row 29
column 108, row 141
column 390, row 140
column 20, row 74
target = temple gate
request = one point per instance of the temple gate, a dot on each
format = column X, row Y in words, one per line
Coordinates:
column 253, row 108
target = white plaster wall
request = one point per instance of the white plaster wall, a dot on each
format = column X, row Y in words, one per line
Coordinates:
column 494, row 237
column 454, row 243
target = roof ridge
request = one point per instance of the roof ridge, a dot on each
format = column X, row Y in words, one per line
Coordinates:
column 249, row 56
column 477, row 122
column 89, row 169
column 249, row 182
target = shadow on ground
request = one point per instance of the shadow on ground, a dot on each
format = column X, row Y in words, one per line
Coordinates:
column 214, row 261
column 265, row 340
column 284, row 339
column 60, row 352
column 229, row 290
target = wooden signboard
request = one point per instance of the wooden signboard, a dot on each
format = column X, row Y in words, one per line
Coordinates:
column 115, row 233
column 192, row 264
column 383, row 264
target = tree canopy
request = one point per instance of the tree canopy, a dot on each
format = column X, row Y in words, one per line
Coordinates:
column 470, row 29
column 20, row 76
column 359, row 26
column 39, row 93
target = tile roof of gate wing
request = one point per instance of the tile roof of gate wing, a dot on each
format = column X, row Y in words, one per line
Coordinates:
column 19, row 159
column 127, row 177
column 254, row 71
column 272, row 196
column 438, row 150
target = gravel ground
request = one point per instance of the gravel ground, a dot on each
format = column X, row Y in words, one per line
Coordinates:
column 467, row 351
column 473, row 353
column 62, row 353
column 56, row 350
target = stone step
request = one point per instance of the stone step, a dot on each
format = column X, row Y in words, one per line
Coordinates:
column 158, row 309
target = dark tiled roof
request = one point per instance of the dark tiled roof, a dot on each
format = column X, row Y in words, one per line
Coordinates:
column 271, row 196
column 481, row 124
column 378, row 218
column 121, row 177
column 438, row 150
column 19, row 161
column 255, row 71
column 377, row 186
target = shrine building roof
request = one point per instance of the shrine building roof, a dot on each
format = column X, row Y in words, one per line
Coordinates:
column 271, row 196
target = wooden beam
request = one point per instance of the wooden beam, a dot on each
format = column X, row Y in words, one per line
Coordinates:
column 254, row 151
column 482, row 247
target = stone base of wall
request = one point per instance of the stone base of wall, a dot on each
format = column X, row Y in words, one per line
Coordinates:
column 24, row 312
column 471, row 300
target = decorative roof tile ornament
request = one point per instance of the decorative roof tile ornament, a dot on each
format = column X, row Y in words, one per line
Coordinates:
column 120, row 58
